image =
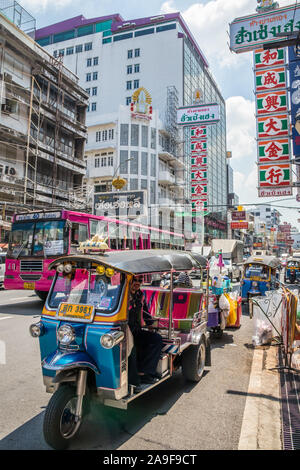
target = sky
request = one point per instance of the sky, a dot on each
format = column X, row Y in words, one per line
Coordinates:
column 208, row 21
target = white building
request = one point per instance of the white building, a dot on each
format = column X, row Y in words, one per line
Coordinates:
column 113, row 58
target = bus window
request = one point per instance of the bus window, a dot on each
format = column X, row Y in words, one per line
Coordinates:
column 79, row 233
column 98, row 227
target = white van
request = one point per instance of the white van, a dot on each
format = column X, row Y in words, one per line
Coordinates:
column 2, row 267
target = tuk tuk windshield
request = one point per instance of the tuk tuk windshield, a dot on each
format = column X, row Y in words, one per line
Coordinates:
column 292, row 264
column 257, row 270
column 86, row 287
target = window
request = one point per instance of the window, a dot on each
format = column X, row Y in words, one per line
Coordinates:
column 88, row 46
column 79, row 233
column 144, row 136
column 144, row 164
column 124, row 161
column 55, row 54
column 70, row 50
column 124, row 134
column 136, row 52
column 152, row 192
column 136, row 84
column 104, row 135
column 129, row 69
column 78, row 48
column 110, row 161
column 94, row 91
column 130, row 54
column 94, row 106
column 88, row 77
column 144, row 184
column 136, row 68
column 153, row 164
column 88, row 62
column 95, row 75
column 135, row 135
column 110, row 134
column 153, row 138
column 143, row 32
column 129, row 85
column 120, row 37
column 128, row 100
column 165, row 27
column 88, row 90
column 134, row 163
column 95, row 61
column 97, row 161
column 61, row 52
column 103, row 161
column 84, row 30
column 133, row 183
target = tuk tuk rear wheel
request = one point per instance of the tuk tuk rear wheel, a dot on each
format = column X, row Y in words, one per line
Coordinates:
column 59, row 421
column 193, row 362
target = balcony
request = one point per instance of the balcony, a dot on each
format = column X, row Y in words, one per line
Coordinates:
column 166, row 177
column 102, row 171
column 166, row 202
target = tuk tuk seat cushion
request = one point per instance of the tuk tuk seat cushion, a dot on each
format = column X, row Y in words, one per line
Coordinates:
column 185, row 304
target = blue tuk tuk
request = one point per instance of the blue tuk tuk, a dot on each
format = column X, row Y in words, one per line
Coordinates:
column 85, row 340
column 292, row 270
column 260, row 274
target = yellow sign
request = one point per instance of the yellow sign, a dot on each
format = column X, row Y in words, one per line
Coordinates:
column 83, row 312
column 29, row 285
column 119, row 183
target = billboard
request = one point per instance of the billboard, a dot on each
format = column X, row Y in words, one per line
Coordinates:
column 253, row 31
column 121, row 203
column 198, row 114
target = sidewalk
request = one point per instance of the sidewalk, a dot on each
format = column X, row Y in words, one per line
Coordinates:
column 272, row 415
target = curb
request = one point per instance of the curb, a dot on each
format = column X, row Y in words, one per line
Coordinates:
column 261, row 426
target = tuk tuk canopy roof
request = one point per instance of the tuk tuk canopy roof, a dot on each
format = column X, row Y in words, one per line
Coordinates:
column 270, row 261
column 140, row 261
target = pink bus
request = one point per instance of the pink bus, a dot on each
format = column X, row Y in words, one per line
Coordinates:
column 37, row 238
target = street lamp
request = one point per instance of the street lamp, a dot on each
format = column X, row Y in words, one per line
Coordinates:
column 118, row 182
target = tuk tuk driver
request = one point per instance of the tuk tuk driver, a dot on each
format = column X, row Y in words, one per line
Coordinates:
column 148, row 343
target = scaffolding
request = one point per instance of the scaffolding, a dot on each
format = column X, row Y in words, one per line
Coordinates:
column 19, row 16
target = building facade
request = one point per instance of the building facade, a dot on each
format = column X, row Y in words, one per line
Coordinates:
column 113, row 59
column 42, row 126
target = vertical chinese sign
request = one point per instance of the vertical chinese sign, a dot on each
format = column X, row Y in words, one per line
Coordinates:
column 197, row 118
column 198, row 152
column 273, row 146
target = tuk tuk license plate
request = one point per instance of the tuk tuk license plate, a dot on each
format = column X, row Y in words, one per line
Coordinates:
column 75, row 311
column 29, row 285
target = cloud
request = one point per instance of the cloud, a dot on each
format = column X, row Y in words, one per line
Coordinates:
column 245, row 185
column 241, row 130
column 35, row 6
column 209, row 23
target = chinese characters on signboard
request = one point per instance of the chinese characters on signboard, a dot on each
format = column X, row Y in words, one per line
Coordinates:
column 274, row 169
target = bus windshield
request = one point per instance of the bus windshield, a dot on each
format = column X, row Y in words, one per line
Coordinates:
column 257, row 270
column 38, row 239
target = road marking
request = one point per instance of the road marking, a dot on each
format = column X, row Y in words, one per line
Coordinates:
column 4, row 318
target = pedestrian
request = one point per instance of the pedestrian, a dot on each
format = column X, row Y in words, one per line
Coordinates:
column 184, row 280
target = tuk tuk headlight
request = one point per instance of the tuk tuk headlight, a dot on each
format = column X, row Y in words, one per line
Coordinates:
column 254, row 284
column 66, row 334
column 60, row 268
column 268, row 285
column 36, row 330
column 67, row 268
column 109, row 340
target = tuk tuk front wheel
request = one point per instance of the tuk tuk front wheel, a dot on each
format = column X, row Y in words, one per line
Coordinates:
column 59, row 422
column 193, row 362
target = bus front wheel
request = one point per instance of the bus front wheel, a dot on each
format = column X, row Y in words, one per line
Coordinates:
column 41, row 294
